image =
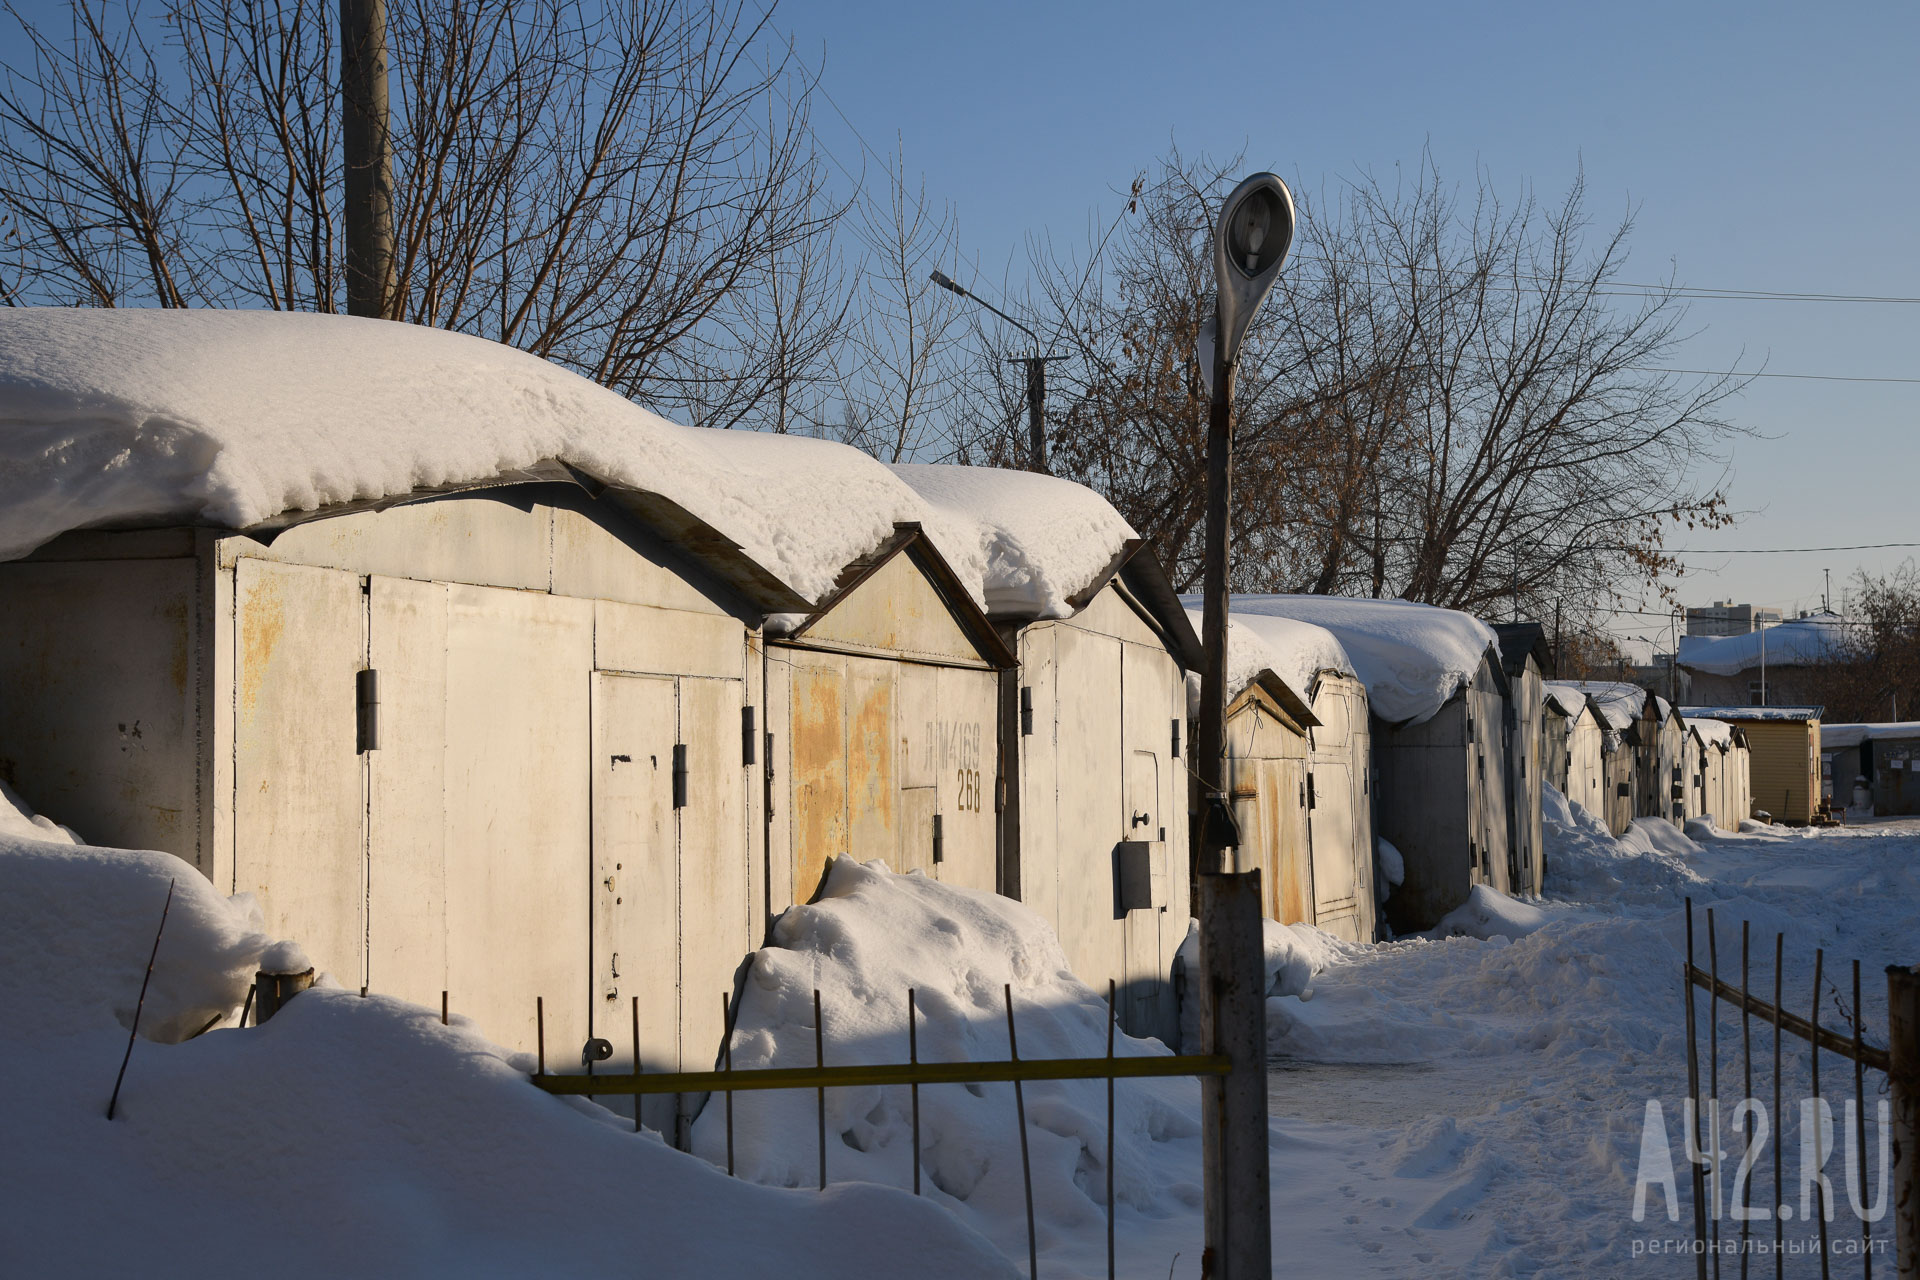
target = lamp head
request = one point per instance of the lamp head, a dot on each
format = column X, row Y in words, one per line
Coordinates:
column 1250, row 245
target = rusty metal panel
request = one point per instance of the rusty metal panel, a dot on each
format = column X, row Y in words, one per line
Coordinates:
column 966, row 714
column 299, row 802
column 100, row 663
column 896, row 611
column 715, row 906
column 818, row 779
column 518, row 788
column 872, row 783
column 631, row 637
column 1284, row 816
column 636, row 876
column 406, row 779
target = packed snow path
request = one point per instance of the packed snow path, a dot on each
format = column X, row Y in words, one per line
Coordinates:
column 1487, row 1113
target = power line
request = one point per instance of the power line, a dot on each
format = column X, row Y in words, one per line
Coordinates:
column 1625, row 288
column 1735, row 373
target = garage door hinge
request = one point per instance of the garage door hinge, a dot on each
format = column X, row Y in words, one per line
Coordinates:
column 748, row 738
column 679, row 775
column 366, row 690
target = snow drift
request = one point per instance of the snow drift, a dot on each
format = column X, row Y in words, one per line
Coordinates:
column 870, row 937
column 347, row 1136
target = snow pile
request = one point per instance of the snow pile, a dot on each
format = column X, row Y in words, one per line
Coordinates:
column 1488, row 913
column 1295, row 651
column 1838, row 737
column 1585, row 861
column 1294, row 954
column 870, row 937
column 347, row 1136
column 1804, row 642
column 1413, row 658
column 1393, row 866
column 17, row 819
column 1040, row 539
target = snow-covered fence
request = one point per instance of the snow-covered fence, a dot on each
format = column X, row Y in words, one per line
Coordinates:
column 913, row 1073
column 1898, row 1062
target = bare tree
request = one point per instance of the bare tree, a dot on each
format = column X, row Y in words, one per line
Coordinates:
column 626, row 187
column 899, row 365
column 1446, row 399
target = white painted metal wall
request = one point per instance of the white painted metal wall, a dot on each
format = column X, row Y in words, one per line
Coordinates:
column 1098, row 768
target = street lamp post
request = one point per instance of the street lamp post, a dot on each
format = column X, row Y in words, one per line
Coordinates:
column 1036, row 377
column 1250, row 243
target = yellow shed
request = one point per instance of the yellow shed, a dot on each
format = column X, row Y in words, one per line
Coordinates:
column 1783, row 746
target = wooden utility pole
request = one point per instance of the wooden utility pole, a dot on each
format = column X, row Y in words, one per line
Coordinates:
column 1903, row 1080
column 368, row 148
column 1233, row 1107
column 1037, row 413
column 1210, row 738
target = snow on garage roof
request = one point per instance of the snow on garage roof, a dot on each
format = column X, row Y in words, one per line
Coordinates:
column 1295, row 651
column 1412, row 657
column 1800, row 643
column 1716, row 733
column 1570, row 698
column 1041, row 539
column 115, row 418
column 1617, row 703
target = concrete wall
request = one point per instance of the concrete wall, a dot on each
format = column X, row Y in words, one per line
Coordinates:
column 1099, row 768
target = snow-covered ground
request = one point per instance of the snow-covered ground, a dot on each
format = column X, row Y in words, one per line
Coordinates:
column 1464, row 1105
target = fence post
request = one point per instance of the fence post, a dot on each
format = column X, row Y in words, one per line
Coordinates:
column 271, row 990
column 1903, row 1079
column 1233, row 1021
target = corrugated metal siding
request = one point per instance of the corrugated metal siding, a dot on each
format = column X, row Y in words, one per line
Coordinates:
column 1785, row 766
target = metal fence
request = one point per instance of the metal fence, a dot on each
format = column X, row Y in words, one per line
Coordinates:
column 1896, row 1062
column 913, row 1073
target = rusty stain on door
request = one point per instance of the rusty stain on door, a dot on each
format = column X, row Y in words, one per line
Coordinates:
column 819, row 778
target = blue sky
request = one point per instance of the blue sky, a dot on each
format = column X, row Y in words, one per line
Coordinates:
column 1763, row 146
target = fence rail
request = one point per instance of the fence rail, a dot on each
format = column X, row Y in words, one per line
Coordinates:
column 1896, row 1062
column 1003, row 1071
column 1013, row 1070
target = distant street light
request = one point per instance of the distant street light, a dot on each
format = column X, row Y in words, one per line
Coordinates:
column 1036, row 377
column 1250, row 243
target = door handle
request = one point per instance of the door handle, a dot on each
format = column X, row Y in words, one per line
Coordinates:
column 1141, row 820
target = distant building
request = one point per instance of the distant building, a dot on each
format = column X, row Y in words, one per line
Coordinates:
column 1772, row 667
column 1725, row 618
